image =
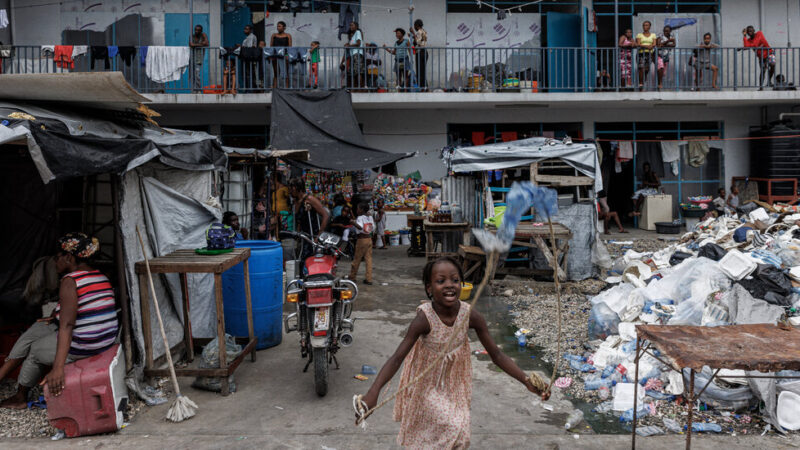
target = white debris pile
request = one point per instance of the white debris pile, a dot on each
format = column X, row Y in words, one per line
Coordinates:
column 728, row 270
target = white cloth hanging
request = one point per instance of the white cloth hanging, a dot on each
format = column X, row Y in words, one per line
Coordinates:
column 3, row 18
column 78, row 50
column 165, row 64
column 670, row 150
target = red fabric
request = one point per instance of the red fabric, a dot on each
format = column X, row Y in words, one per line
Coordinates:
column 478, row 138
column 508, row 136
column 63, row 57
column 758, row 41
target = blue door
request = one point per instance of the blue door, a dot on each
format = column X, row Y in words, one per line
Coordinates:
column 178, row 31
column 564, row 55
column 590, row 54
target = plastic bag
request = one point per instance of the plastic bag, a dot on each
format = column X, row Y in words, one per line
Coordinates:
column 602, row 321
column 711, row 251
column 689, row 312
column 768, row 280
column 716, row 396
column 678, row 257
column 210, row 360
column 600, row 256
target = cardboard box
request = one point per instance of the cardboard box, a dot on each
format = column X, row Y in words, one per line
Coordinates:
column 656, row 208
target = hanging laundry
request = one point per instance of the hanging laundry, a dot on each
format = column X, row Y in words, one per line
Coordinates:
column 100, row 52
column 113, row 50
column 166, row 64
column 625, row 151
column 671, row 153
column 48, row 51
column 697, row 152
column 347, row 13
column 62, row 55
column 3, row 18
column 127, row 53
column 78, row 50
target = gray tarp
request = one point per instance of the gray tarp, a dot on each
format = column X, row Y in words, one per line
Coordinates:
column 581, row 220
column 505, row 155
column 168, row 206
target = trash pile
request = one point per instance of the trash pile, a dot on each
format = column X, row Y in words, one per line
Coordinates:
column 728, row 270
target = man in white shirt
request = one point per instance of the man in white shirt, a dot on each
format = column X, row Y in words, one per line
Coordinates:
column 365, row 226
column 356, row 46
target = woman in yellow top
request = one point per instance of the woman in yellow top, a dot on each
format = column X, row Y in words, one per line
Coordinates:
column 646, row 42
column 280, row 204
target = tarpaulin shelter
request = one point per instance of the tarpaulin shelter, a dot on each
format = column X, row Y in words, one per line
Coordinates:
column 580, row 217
column 323, row 122
column 505, row 155
column 162, row 181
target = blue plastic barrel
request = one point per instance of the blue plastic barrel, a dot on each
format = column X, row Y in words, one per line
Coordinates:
column 266, row 292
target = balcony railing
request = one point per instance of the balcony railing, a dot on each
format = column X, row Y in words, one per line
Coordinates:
column 374, row 69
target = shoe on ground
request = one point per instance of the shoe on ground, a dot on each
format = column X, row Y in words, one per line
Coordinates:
column 368, row 283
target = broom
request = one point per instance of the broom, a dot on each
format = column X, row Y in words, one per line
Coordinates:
column 182, row 408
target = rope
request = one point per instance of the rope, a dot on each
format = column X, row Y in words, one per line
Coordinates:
column 360, row 406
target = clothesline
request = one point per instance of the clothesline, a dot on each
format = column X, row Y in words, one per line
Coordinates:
column 700, row 138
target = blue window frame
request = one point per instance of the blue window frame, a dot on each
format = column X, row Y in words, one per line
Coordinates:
column 471, row 6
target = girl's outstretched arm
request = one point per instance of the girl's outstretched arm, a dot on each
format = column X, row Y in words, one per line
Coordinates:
column 503, row 361
column 419, row 326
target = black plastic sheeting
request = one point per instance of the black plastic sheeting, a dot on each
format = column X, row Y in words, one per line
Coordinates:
column 29, row 228
column 69, row 156
column 323, row 122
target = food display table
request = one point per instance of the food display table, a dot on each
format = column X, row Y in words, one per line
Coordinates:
column 184, row 262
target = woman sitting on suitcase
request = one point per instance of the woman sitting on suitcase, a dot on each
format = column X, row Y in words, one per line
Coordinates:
column 83, row 324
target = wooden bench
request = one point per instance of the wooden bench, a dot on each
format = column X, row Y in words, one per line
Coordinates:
column 472, row 258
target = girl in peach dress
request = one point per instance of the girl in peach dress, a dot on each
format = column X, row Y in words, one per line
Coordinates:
column 435, row 412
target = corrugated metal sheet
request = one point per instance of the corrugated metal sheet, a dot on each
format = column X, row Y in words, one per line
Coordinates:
column 463, row 190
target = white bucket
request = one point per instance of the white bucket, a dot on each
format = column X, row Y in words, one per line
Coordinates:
column 405, row 239
column 394, row 240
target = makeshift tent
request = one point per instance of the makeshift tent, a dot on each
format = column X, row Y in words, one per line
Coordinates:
column 166, row 188
column 323, row 122
column 580, row 218
column 504, row 155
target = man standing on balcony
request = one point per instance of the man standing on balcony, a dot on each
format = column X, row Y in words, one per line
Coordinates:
column 249, row 54
column 198, row 43
column 420, row 37
column 766, row 56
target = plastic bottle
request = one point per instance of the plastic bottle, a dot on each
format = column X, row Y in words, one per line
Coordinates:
column 607, row 371
column 577, row 358
column 651, row 430
column 604, row 407
column 575, row 417
column 592, row 385
column 671, row 425
column 627, row 416
column 603, row 392
column 702, row 426
column 522, row 340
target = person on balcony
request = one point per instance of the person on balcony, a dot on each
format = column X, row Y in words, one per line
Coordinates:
column 198, row 43
column 766, row 56
column 646, row 42
column 250, row 54
column 402, row 60
column 282, row 40
column 626, row 45
column 356, row 49
column 420, row 37
column 666, row 44
column 703, row 62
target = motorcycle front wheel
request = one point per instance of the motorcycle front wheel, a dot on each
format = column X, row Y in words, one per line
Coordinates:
column 321, row 371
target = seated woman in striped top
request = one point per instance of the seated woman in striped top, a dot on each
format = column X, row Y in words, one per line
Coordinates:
column 83, row 324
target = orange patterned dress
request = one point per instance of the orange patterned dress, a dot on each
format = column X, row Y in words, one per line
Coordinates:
column 434, row 413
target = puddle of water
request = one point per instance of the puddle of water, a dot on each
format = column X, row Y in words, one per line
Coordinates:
column 496, row 312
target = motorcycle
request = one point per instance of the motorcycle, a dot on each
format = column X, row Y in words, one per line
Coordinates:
column 324, row 305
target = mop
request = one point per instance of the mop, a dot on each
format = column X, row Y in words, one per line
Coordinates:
column 520, row 198
column 182, row 408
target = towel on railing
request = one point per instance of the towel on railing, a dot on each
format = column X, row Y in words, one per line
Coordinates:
column 166, row 64
column 62, row 55
column 78, row 50
column 113, row 50
column 3, row 18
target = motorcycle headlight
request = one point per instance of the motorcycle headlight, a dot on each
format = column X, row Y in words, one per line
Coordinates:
column 346, row 294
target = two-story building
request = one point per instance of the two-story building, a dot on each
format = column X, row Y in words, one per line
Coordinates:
column 494, row 70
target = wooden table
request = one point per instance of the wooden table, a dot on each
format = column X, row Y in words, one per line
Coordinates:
column 444, row 227
column 533, row 236
column 184, row 262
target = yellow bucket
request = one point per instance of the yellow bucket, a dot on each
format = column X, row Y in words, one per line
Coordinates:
column 466, row 291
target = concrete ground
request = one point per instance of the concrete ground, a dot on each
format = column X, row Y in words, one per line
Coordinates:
column 275, row 405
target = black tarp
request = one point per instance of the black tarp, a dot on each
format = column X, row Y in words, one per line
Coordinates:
column 69, row 156
column 323, row 122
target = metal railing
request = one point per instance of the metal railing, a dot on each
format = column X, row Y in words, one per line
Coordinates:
column 376, row 69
